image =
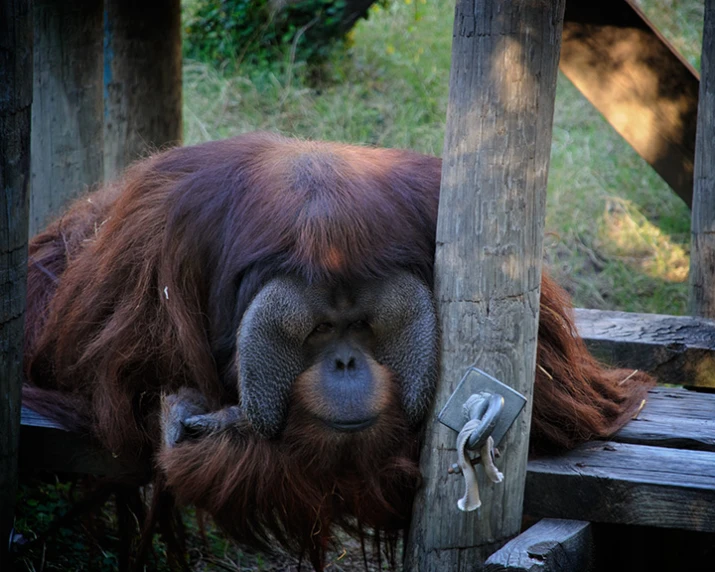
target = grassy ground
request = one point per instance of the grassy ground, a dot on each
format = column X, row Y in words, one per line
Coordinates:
column 617, row 236
column 92, row 542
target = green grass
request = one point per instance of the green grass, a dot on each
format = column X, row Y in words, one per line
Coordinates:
column 681, row 22
column 390, row 89
column 612, row 220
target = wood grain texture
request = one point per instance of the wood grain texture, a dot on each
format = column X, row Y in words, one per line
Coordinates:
column 675, row 418
column 143, row 105
column 638, row 81
column 488, row 258
column 675, row 349
column 627, row 484
column 15, row 119
column 678, row 404
column 67, row 110
column 551, row 545
column 702, row 250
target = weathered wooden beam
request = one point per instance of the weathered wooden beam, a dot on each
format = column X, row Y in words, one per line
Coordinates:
column 681, row 404
column 15, row 120
column 551, row 545
column 702, row 251
column 47, row 446
column 675, row 418
column 488, row 258
column 142, row 58
column 675, row 349
column 641, row 85
column 627, row 484
column 67, row 109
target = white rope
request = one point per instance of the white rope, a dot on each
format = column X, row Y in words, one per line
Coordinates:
column 471, row 501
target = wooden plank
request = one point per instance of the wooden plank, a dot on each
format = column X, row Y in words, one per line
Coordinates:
column 681, row 404
column 641, row 85
column 15, row 120
column 30, row 418
column 675, row 418
column 551, row 545
column 143, row 106
column 67, row 110
column 46, row 446
column 628, row 484
column 488, row 257
column 676, row 349
column 702, row 250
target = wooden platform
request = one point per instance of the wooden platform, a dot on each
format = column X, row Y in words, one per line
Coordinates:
column 47, row 446
column 675, row 349
column 657, row 471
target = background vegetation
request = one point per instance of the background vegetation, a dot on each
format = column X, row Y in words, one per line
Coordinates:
column 618, row 237
column 242, row 32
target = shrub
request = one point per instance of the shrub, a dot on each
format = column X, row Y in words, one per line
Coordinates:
column 255, row 31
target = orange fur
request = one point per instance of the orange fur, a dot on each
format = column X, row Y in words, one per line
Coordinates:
column 575, row 397
column 294, row 490
column 138, row 289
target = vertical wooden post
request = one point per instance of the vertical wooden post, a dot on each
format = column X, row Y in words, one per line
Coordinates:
column 142, row 76
column 15, row 114
column 702, row 252
column 488, row 259
column 67, row 111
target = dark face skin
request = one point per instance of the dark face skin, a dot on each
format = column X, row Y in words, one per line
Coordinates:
column 345, row 383
column 343, row 354
column 348, row 357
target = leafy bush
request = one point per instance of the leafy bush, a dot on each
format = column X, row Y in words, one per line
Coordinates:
column 255, row 31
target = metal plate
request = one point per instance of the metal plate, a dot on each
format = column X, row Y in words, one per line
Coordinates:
column 474, row 381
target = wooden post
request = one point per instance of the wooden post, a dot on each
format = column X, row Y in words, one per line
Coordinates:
column 551, row 545
column 702, row 251
column 67, row 111
column 15, row 114
column 488, row 259
column 142, row 57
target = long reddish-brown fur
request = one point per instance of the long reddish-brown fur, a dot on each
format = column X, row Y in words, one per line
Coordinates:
column 137, row 291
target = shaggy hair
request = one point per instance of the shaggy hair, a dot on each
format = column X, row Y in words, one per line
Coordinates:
column 138, row 290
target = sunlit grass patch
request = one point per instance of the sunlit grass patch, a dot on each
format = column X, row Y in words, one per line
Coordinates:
column 630, row 236
column 592, row 167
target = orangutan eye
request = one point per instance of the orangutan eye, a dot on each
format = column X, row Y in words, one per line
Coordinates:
column 324, row 328
column 359, row 325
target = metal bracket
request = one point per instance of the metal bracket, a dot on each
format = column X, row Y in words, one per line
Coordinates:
column 479, row 396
